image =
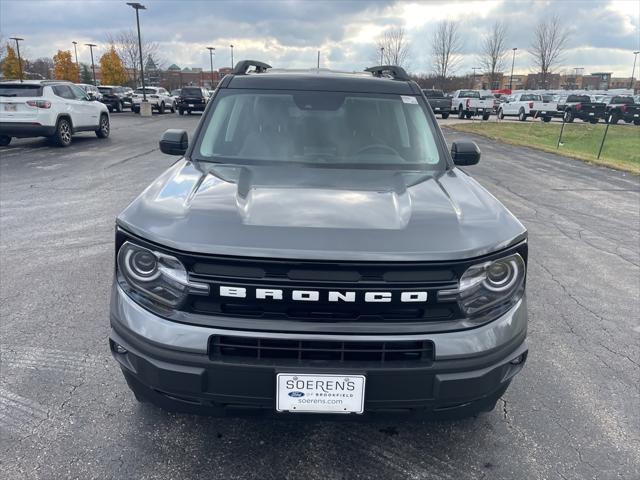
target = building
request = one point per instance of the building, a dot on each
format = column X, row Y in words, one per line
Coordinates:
column 596, row 81
column 537, row 81
column 519, row 82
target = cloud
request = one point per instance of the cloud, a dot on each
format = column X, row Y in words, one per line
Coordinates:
column 288, row 33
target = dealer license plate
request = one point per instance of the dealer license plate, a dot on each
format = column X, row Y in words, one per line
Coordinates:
column 591, row 114
column 10, row 107
column 437, row 109
column 191, row 105
column 297, row 392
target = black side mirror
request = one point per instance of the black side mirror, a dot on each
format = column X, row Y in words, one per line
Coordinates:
column 174, row 142
column 465, row 153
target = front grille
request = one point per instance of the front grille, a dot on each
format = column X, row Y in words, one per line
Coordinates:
column 234, row 347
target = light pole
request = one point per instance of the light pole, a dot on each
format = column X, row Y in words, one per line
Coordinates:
column 231, row 46
column 211, row 50
column 137, row 7
column 473, row 83
column 318, row 63
column 633, row 71
column 18, row 39
column 513, row 61
column 93, row 67
column 75, row 49
column 381, row 55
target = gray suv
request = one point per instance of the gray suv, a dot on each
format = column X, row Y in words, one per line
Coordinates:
column 316, row 248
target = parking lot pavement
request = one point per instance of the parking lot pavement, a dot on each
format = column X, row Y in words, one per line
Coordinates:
column 452, row 120
column 65, row 411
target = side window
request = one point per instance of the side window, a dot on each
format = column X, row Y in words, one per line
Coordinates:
column 78, row 93
column 63, row 91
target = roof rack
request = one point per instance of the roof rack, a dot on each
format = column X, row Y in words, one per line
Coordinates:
column 394, row 71
column 242, row 67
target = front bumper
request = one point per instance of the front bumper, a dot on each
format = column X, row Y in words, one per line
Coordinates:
column 26, row 129
column 169, row 364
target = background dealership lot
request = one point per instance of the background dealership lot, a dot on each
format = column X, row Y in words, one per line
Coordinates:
column 66, row 412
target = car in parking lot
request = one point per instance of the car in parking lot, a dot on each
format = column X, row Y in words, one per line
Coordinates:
column 116, row 98
column 192, row 99
column 91, row 90
column 621, row 107
column 49, row 108
column 468, row 103
column 439, row 103
column 158, row 97
column 317, row 249
column 524, row 105
column 580, row 106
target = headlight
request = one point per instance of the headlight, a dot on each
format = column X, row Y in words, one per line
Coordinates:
column 498, row 283
column 155, row 276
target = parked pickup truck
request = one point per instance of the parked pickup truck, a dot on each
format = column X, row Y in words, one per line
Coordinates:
column 524, row 105
column 468, row 103
column 438, row 102
column 621, row 108
column 580, row 106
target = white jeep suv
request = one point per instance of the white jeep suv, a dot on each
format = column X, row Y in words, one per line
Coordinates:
column 49, row 108
column 158, row 97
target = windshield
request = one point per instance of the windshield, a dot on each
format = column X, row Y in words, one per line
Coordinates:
column 469, row 94
column 433, row 93
column 20, row 90
column 319, row 128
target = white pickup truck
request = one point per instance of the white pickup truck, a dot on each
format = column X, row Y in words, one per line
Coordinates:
column 524, row 105
column 468, row 103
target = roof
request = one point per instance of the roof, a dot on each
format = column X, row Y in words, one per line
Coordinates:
column 36, row 82
column 322, row 80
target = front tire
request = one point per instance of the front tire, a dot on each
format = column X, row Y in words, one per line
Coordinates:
column 5, row 140
column 460, row 112
column 105, row 128
column 546, row 119
column 63, row 134
column 486, row 116
column 568, row 116
column 161, row 108
column 444, row 116
column 522, row 116
column 614, row 119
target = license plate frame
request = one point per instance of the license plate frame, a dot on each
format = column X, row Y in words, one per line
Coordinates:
column 320, row 393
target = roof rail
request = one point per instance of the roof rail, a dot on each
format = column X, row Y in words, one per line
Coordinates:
column 396, row 72
column 242, row 67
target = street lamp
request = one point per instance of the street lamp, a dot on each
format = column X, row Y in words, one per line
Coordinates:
column 473, row 84
column 633, row 71
column 75, row 49
column 138, row 6
column 231, row 55
column 93, row 67
column 513, row 61
column 18, row 39
column 211, row 50
column 381, row 55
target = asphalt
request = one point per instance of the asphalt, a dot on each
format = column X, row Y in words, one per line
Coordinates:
column 66, row 413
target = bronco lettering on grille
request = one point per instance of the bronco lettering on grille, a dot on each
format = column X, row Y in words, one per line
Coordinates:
column 316, row 295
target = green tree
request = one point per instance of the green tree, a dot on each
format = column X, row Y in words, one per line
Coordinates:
column 85, row 74
column 113, row 72
column 64, row 68
column 10, row 65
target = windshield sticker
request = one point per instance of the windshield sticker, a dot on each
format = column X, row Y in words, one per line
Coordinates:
column 407, row 99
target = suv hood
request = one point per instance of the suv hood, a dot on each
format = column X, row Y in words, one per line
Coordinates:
column 321, row 213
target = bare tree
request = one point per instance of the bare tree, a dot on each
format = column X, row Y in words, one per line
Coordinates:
column 446, row 47
column 126, row 44
column 493, row 51
column 393, row 47
column 548, row 45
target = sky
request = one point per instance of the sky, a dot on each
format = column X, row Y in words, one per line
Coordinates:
column 288, row 33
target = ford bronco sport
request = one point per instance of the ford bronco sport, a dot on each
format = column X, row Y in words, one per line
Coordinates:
column 317, row 249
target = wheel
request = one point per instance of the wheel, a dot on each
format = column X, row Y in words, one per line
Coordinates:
column 444, row 116
column 468, row 115
column 188, row 112
column 460, row 112
column 636, row 121
column 103, row 130
column 486, row 116
column 521, row 115
column 161, row 108
column 62, row 137
column 595, row 120
column 613, row 118
column 500, row 114
column 181, row 111
column 119, row 107
column 546, row 119
column 5, row 140
column 568, row 116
